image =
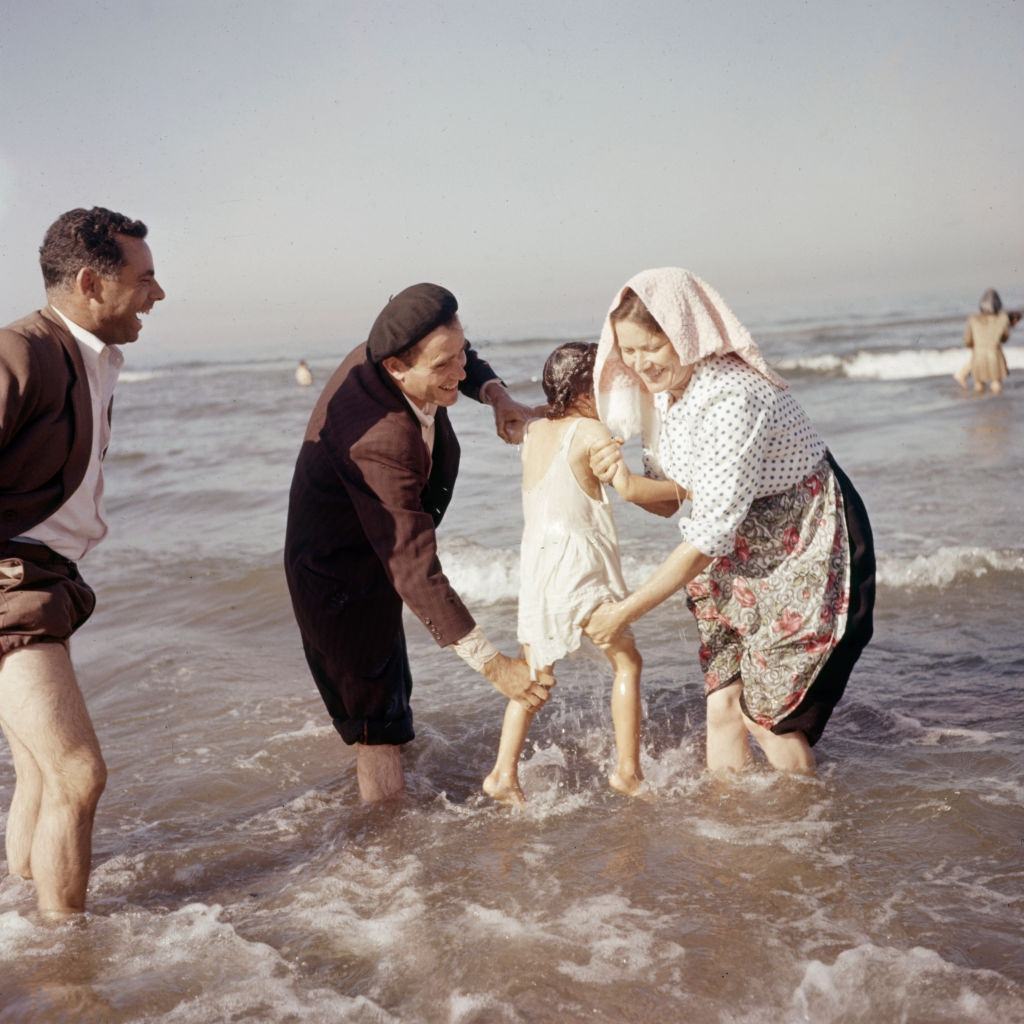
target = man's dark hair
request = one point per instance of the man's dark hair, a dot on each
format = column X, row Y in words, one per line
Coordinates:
column 85, row 238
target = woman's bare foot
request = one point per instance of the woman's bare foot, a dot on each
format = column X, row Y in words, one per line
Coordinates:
column 627, row 783
column 504, row 788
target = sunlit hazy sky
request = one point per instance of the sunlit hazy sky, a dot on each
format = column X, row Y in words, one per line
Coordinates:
column 297, row 162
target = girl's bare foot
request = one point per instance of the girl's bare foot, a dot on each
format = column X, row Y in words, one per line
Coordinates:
column 627, row 783
column 504, row 788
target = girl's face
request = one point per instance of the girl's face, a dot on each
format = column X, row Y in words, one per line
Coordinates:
column 652, row 358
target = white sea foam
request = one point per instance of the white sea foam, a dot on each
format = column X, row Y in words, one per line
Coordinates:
column 803, row 837
column 488, row 576
column 873, row 983
column 940, row 568
column 932, row 736
column 137, row 376
column 611, row 940
column 903, row 364
column 20, row 937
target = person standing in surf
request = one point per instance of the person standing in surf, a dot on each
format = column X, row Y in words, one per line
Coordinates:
column 776, row 555
column 569, row 561
column 985, row 334
column 58, row 371
column 372, row 482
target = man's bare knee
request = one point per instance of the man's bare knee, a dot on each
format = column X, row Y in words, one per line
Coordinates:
column 78, row 780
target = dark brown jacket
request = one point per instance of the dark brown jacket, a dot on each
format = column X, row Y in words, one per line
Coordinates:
column 45, row 421
column 365, row 500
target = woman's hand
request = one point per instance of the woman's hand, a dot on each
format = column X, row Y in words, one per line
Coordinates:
column 606, row 459
column 606, row 623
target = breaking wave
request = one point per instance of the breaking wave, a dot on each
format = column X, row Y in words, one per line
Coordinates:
column 487, row 576
column 903, row 364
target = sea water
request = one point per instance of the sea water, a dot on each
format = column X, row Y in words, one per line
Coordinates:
column 237, row 877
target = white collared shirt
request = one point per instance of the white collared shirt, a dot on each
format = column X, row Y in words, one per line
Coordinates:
column 425, row 417
column 80, row 523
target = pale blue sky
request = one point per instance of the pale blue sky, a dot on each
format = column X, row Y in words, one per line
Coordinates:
column 298, row 162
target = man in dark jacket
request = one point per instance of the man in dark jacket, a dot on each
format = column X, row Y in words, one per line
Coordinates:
column 373, row 479
column 58, row 370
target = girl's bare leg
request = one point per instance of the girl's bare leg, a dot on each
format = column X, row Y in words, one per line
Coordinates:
column 503, row 782
column 727, row 736
column 627, row 664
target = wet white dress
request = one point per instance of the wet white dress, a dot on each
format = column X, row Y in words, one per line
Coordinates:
column 569, row 560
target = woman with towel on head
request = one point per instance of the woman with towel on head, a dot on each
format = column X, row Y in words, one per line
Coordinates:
column 984, row 335
column 776, row 553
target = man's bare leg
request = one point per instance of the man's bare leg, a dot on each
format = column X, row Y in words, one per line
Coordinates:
column 727, row 738
column 24, row 812
column 789, row 752
column 379, row 771
column 42, row 707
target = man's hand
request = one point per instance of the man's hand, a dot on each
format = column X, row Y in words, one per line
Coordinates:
column 510, row 416
column 511, row 677
column 606, row 459
column 606, row 623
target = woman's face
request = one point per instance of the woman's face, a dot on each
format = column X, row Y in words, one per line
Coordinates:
column 652, row 358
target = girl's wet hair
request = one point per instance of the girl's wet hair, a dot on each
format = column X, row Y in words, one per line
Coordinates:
column 568, row 375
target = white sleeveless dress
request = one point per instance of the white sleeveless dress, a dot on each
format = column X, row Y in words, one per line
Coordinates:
column 569, row 560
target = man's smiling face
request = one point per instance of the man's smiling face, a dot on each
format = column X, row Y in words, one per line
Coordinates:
column 435, row 367
column 119, row 302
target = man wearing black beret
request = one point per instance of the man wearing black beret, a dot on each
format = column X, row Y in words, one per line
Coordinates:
column 372, row 481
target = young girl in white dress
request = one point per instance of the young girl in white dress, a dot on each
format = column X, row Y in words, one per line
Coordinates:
column 570, row 560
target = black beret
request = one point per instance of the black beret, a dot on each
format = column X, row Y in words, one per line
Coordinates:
column 409, row 316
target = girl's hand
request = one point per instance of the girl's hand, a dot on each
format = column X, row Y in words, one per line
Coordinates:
column 606, row 459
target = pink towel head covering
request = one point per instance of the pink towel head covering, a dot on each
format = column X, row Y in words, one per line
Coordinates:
column 694, row 317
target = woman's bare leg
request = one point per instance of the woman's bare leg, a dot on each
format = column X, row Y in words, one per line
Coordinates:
column 627, row 664
column 789, row 752
column 727, row 748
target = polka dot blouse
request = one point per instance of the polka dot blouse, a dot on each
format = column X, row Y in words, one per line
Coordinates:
column 731, row 438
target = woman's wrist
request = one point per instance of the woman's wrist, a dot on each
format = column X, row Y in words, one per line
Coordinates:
column 624, row 612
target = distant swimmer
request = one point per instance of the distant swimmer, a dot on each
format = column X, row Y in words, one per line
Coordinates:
column 303, row 374
column 984, row 334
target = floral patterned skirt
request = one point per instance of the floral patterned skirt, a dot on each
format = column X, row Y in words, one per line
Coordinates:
column 772, row 613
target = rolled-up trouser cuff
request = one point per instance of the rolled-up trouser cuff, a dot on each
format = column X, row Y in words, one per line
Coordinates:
column 374, row 732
